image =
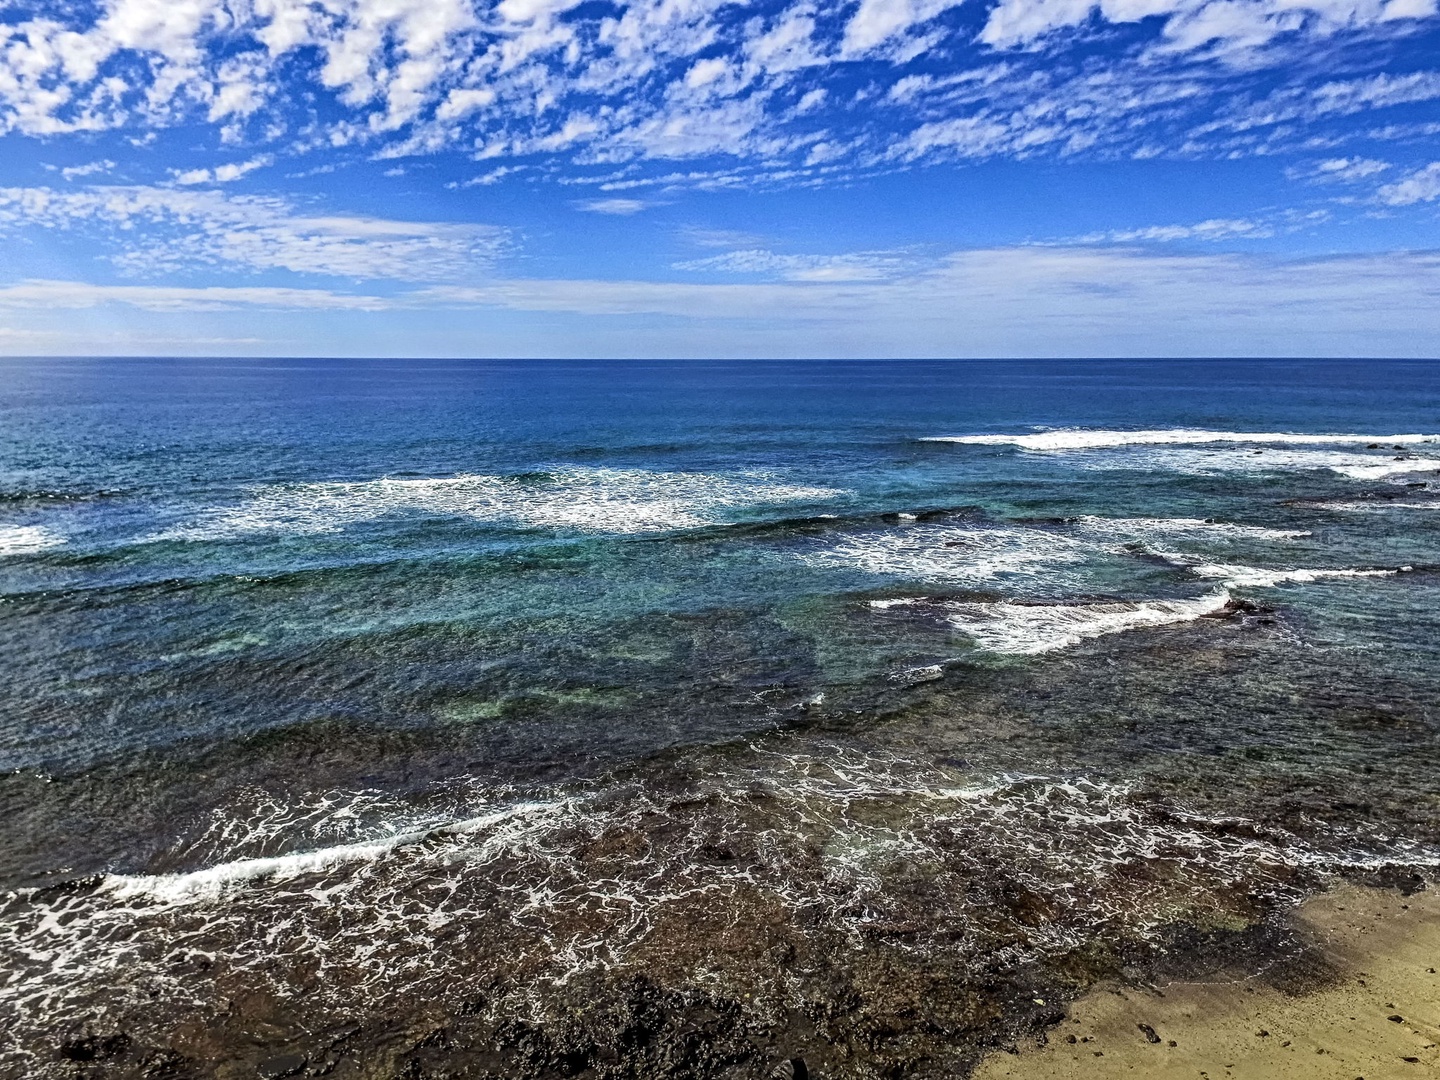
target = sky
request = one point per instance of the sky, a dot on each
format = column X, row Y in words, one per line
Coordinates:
column 698, row 178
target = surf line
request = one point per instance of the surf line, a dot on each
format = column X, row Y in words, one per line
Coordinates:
column 1095, row 439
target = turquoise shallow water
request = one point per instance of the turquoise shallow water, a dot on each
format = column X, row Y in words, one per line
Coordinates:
column 539, row 666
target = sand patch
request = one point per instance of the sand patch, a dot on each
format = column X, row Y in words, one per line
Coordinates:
column 1381, row 1019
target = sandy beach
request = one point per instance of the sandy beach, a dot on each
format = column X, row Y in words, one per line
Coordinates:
column 1377, row 1017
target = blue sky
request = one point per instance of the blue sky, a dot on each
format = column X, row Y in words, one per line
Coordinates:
column 701, row 178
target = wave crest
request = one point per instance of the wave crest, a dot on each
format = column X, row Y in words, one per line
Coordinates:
column 583, row 500
column 1097, row 439
column 1031, row 629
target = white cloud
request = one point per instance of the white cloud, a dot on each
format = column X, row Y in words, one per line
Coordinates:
column 462, row 102
column 877, row 21
column 165, row 229
column 811, row 100
column 618, row 207
column 787, row 89
column 1229, row 28
column 860, row 266
column 720, row 238
column 705, row 72
column 1345, row 170
column 222, row 174
column 1037, row 301
column 1212, row 230
column 1027, row 301
column 494, row 176
column 78, row 294
column 94, row 168
column 1330, row 99
column 1423, row 185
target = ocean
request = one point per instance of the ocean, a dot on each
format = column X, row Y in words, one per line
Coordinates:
column 531, row 719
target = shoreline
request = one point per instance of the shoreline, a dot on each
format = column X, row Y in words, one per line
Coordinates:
column 1375, row 1015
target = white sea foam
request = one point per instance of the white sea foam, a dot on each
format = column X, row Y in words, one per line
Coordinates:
column 1090, row 439
column 1363, row 506
column 591, row 879
column 1200, row 452
column 958, row 554
column 1258, row 577
column 1200, row 527
column 27, row 539
column 213, row 882
column 1031, row 629
column 585, row 500
column 1197, row 461
column 1263, row 577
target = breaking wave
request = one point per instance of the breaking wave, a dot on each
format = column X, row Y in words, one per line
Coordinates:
column 583, row 500
column 959, row 554
column 1203, row 528
column 1202, row 462
column 1093, row 439
column 214, row 882
column 1359, row 506
column 1031, row 629
column 1200, row 452
column 1061, row 555
column 1260, row 577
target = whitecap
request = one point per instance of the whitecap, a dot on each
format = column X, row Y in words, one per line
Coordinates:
column 1362, row 506
column 584, row 500
column 213, row 882
column 1031, row 629
column 1195, row 461
column 958, row 554
column 1200, row 527
column 1202, row 452
column 1259, row 577
column 1095, row 439
column 1266, row 577
column 27, row 539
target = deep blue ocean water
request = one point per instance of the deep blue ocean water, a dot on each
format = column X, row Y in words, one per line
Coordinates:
column 376, row 620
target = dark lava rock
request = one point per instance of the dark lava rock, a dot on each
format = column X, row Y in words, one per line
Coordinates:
column 165, row 1064
column 281, row 1065
column 95, row 1047
column 1401, row 878
column 1236, row 606
column 1149, row 1033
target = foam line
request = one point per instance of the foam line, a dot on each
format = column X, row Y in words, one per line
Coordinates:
column 1087, row 439
column 958, row 554
column 1262, row 577
column 1031, row 629
column 1259, row 577
column 1202, row 527
column 585, row 500
column 213, row 882
column 1372, row 505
